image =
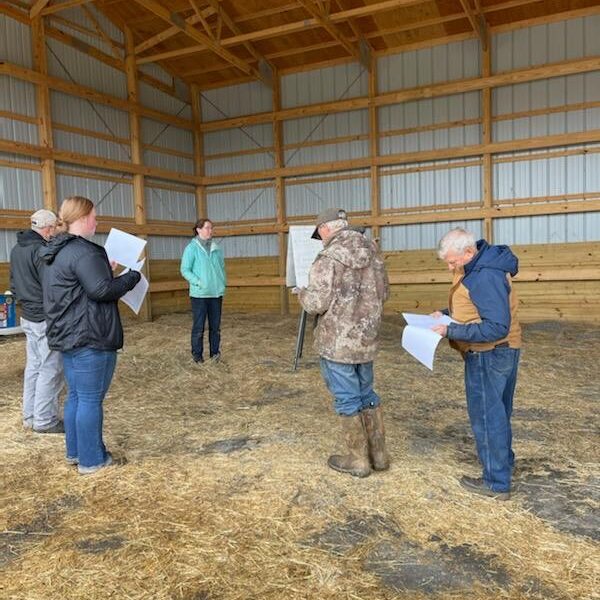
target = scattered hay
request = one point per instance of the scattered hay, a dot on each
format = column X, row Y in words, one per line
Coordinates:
column 223, row 490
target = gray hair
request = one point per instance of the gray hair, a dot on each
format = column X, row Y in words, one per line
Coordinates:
column 458, row 240
column 337, row 225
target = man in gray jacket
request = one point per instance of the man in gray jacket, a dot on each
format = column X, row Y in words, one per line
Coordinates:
column 347, row 288
column 43, row 380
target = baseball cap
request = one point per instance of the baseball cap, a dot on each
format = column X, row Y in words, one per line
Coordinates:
column 43, row 218
column 326, row 216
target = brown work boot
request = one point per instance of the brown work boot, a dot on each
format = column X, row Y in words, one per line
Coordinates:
column 356, row 462
column 373, row 420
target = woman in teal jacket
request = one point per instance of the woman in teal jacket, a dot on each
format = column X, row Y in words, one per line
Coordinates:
column 203, row 265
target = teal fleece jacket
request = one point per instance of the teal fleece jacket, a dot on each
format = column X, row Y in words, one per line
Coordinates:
column 204, row 271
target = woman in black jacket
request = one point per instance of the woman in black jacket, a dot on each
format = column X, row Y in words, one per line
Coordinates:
column 82, row 319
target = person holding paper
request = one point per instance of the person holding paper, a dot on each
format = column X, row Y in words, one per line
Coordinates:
column 347, row 288
column 203, row 266
column 488, row 335
column 83, row 323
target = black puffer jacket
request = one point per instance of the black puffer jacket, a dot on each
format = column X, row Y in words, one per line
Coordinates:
column 81, row 294
column 26, row 274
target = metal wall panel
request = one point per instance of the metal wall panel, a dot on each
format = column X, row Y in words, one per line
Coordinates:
column 547, row 176
column 67, row 63
column 17, row 131
column 170, row 205
column 236, row 100
column 167, row 136
column 157, row 72
column 111, row 198
column 425, row 113
column 548, row 229
column 8, row 239
column 17, row 96
column 242, row 205
column 168, row 162
column 15, row 42
column 244, row 246
column 423, row 236
column 76, row 15
column 79, row 112
column 326, row 127
column 426, row 188
column 548, row 43
column 82, row 144
column 311, row 198
column 235, row 140
column 324, row 85
column 20, row 189
column 154, row 98
column 165, row 247
column 459, row 60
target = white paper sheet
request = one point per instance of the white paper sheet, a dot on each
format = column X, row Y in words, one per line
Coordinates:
column 135, row 298
column 301, row 253
column 418, row 339
column 124, row 248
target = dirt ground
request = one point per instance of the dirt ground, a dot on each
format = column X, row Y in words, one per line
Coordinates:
column 223, row 492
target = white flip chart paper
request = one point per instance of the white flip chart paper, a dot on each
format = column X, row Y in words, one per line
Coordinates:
column 301, row 253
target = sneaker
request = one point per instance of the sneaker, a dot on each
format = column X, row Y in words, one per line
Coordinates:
column 216, row 357
column 88, row 470
column 57, row 428
column 477, row 486
column 72, row 460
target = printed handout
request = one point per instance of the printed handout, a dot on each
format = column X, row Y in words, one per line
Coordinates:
column 418, row 339
column 301, row 253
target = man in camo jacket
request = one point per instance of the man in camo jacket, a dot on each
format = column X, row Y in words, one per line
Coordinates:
column 347, row 288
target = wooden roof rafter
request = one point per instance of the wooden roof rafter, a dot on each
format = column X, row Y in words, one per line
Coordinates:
column 177, row 21
column 50, row 9
column 477, row 22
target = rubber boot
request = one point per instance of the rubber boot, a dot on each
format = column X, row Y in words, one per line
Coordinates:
column 356, row 462
column 373, row 420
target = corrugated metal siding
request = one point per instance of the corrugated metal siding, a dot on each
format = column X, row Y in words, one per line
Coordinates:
column 547, row 176
column 544, row 94
column 459, row 60
column 17, row 131
column 323, row 128
column 244, row 246
column 82, row 144
column 323, row 85
column 167, row 136
column 157, row 99
column 168, row 162
column 20, row 189
column 423, row 236
column 548, row 229
column 427, row 188
column 18, row 97
column 166, row 248
column 312, row 198
column 234, row 140
column 76, row 15
column 67, row 63
column 157, row 72
column 170, row 205
column 242, row 205
column 15, row 42
column 236, row 100
column 552, row 42
column 8, row 239
column 424, row 113
column 111, row 198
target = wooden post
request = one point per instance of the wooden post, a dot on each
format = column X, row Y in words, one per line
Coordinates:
column 201, row 211
column 135, row 138
column 280, row 194
column 486, row 124
column 40, row 64
column 374, row 146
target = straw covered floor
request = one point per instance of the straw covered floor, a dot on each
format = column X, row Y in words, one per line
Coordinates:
column 223, row 491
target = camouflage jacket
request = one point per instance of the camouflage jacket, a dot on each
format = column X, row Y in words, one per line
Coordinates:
column 347, row 287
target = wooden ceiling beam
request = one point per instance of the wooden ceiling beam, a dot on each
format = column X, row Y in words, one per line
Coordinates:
column 36, row 9
column 331, row 28
column 477, row 23
column 92, row 17
column 171, row 31
column 176, row 21
column 201, row 18
column 54, row 8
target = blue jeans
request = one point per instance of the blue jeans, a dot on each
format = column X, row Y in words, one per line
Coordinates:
column 351, row 386
column 202, row 308
column 490, row 380
column 88, row 373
